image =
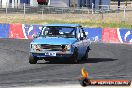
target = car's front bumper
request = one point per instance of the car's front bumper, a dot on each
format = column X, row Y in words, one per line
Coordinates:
column 58, row 54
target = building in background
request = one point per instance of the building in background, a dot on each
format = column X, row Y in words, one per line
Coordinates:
column 59, row 3
column 79, row 3
column 13, row 3
column 55, row 3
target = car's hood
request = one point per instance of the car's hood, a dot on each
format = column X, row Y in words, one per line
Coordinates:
column 53, row 40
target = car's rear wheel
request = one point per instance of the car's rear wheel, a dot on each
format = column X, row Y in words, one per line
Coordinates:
column 86, row 54
column 32, row 60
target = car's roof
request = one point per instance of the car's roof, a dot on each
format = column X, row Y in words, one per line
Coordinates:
column 64, row 25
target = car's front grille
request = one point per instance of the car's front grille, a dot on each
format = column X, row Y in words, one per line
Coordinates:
column 51, row 47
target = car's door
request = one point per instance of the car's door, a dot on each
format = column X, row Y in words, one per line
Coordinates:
column 86, row 43
column 83, row 43
column 79, row 43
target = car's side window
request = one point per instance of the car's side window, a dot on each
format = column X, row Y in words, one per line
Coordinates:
column 81, row 34
column 78, row 33
column 84, row 34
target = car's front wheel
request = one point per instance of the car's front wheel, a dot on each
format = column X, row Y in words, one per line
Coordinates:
column 32, row 60
column 75, row 56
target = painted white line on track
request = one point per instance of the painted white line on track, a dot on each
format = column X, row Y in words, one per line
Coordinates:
column 74, row 86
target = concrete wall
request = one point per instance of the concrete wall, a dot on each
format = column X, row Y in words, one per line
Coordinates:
column 59, row 3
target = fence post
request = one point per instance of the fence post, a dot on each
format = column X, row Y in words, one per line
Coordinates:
column 124, row 13
column 92, row 8
column 6, row 7
column 102, row 16
column 24, row 10
column 42, row 13
column 88, row 11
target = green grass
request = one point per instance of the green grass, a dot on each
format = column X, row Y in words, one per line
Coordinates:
column 83, row 22
column 91, row 24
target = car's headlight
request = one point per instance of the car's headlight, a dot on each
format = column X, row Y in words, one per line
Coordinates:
column 68, row 47
column 33, row 46
column 36, row 46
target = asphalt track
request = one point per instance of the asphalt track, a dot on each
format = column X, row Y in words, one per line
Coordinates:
column 106, row 61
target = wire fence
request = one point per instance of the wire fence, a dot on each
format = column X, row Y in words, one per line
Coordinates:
column 105, row 13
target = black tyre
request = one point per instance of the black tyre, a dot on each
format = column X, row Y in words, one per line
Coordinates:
column 85, row 82
column 75, row 56
column 32, row 60
column 86, row 54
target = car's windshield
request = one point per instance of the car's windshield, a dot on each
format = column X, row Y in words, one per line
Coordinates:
column 53, row 31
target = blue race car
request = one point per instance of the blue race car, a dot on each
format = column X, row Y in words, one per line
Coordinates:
column 59, row 41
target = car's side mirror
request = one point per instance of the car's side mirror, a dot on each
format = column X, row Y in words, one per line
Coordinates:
column 35, row 36
column 81, row 38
